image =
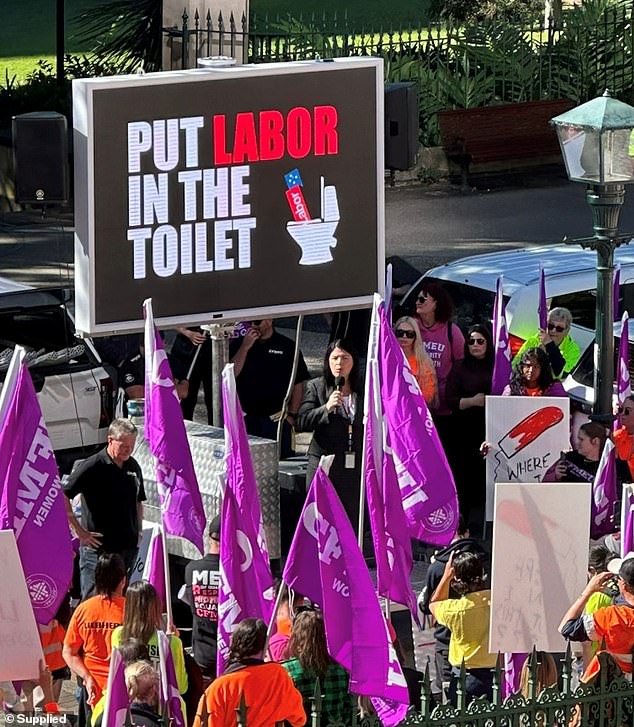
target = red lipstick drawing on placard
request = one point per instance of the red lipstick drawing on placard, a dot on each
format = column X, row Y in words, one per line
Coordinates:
column 529, row 429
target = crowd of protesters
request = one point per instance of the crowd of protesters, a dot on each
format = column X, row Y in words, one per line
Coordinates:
column 275, row 673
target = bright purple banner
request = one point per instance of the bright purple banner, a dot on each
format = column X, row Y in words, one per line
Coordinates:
column 170, row 697
column 390, row 533
column 182, row 510
column 31, row 497
column 502, row 365
column 241, row 594
column 617, row 293
column 604, row 497
column 326, row 565
column 117, row 703
column 542, row 306
column 623, row 385
column 247, row 580
column 154, row 567
column 425, row 480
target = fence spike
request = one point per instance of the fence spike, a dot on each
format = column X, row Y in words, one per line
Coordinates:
column 315, row 701
column 425, row 692
column 497, row 680
column 241, row 711
column 533, row 663
column 566, row 670
column 461, row 697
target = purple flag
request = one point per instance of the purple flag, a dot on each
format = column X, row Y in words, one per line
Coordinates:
column 182, row 510
column 170, row 697
column 31, row 497
column 513, row 664
column 617, row 292
column 390, row 533
column 623, row 387
column 627, row 520
column 427, row 487
column 502, row 366
column 117, row 700
column 604, row 496
column 326, row 565
column 542, row 307
column 154, row 566
column 244, row 560
column 241, row 594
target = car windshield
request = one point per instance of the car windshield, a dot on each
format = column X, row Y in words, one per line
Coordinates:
column 584, row 371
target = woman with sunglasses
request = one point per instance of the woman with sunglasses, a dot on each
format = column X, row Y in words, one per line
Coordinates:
column 467, row 387
column 409, row 338
column 563, row 352
column 444, row 343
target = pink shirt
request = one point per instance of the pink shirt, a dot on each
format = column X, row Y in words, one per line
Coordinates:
column 442, row 355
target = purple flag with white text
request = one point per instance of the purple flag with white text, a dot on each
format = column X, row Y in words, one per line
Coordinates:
column 617, row 293
column 31, row 497
column 502, row 365
column 117, row 700
column 244, row 558
column 182, row 510
column 542, row 306
column 604, row 496
column 325, row 564
column 154, row 566
column 425, row 480
column 623, row 386
column 390, row 533
column 241, row 594
column 170, row 697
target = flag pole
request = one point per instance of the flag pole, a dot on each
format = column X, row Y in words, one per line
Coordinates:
column 276, row 605
column 166, row 571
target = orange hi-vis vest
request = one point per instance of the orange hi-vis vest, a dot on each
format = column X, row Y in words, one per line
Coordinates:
column 615, row 625
column 52, row 638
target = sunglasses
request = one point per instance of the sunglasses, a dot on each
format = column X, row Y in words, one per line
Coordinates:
column 554, row 327
column 477, row 341
column 422, row 298
column 402, row 333
column 625, row 410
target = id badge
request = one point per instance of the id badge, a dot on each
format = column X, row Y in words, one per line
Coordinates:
column 348, row 461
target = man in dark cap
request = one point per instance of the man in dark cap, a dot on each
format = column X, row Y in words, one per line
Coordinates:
column 200, row 592
column 614, row 624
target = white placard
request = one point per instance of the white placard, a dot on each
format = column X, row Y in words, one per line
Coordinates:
column 540, row 558
column 20, row 647
column 137, row 570
column 527, row 435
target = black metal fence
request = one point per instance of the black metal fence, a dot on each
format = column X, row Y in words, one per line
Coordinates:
column 588, row 50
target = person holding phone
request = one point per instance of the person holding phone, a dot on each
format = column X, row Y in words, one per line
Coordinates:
column 580, row 464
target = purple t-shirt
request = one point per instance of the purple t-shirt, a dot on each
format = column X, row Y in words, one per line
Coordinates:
column 443, row 355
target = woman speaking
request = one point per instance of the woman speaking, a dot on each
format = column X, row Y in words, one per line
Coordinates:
column 332, row 408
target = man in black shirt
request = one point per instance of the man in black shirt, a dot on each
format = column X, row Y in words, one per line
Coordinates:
column 111, row 487
column 200, row 592
column 263, row 364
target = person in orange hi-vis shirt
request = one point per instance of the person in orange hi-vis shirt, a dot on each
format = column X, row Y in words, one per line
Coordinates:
column 87, row 646
column 267, row 688
column 612, row 624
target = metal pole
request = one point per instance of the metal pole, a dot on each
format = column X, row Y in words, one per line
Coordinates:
column 220, row 358
column 605, row 202
column 60, row 27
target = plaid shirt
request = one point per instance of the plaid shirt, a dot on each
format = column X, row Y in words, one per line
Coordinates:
column 336, row 702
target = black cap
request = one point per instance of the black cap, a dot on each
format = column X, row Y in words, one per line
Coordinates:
column 213, row 531
column 626, row 571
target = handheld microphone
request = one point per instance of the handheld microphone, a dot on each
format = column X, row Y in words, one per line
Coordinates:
column 339, row 382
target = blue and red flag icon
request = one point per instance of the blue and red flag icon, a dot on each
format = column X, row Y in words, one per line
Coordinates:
column 295, row 196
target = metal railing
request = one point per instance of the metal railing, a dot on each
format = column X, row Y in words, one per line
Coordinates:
column 608, row 702
column 454, row 67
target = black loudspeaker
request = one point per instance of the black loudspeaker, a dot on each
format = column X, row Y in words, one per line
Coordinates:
column 40, row 155
column 401, row 125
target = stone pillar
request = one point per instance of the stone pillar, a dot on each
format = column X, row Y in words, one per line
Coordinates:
column 173, row 17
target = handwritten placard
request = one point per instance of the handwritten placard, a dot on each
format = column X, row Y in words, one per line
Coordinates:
column 540, row 555
column 526, row 435
column 20, row 647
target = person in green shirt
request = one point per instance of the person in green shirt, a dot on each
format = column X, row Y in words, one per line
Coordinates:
column 563, row 352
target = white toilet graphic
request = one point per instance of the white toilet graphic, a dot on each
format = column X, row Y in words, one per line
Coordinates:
column 317, row 237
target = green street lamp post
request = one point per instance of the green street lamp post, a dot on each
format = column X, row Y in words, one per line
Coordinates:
column 597, row 144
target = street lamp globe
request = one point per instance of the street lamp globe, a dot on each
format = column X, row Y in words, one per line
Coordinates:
column 597, row 142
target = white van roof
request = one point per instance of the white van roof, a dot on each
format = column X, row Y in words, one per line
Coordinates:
column 520, row 266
